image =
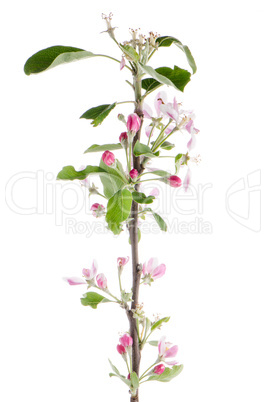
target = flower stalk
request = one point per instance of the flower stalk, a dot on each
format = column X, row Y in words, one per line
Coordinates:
column 133, row 232
column 121, row 188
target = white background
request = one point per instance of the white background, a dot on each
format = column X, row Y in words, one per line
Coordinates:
column 53, row 349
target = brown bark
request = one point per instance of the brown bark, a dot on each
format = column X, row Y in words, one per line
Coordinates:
column 133, row 232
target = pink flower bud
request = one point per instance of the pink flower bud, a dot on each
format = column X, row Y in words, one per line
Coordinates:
column 121, row 349
column 89, row 274
column 108, row 158
column 128, row 376
column 126, row 341
column 133, row 122
column 97, row 210
column 159, row 369
column 121, row 261
column 121, row 117
column 133, row 174
column 174, row 181
column 123, row 138
column 101, row 281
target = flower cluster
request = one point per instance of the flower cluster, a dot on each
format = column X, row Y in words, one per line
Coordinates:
column 133, row 125
column 167, row 350
column 178, row 120
column 91, row 278
column 98, row 210
column 151, row 271
column 125, row 344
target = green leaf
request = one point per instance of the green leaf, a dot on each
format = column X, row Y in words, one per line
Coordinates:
column 92, row 299
column 104, row 147
column 161, row 223
column 109, row 175
column 112, row 182
column 158, row 77
column 141, row 198
column 161, row 173
column 117, row 374
column 159, row 322
column 150, row 84
column 122, row 378
column 167, row 145
column 69, row 172
column 142, row 149
column 166, row 41
column 98, row 114
column 177, row 78
column 130, row 52
column 153, row 343
column 178, row 162
column 167, row 375
column 178, row 156
column 114, row 368
column 118, row 209
column 54, row 56
column 134, row 380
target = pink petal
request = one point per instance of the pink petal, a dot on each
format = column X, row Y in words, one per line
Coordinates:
column 144, row 269
column 187, row 179
column 189, row 126
column 159, row 271
column 161, row 346
column 87, row 273
column 176, row 106
column 169, row 111
column 94, row 268
column 147, row 111
column 161, row 98
column 191, row 143
column 122, row 63
column 172, row 363
column 152, row 263
column 84, row 182
column 169, row 129
column 171, row 352
column 74, row 281
column 148, row 131
column 155, row 192
column 121, row 261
